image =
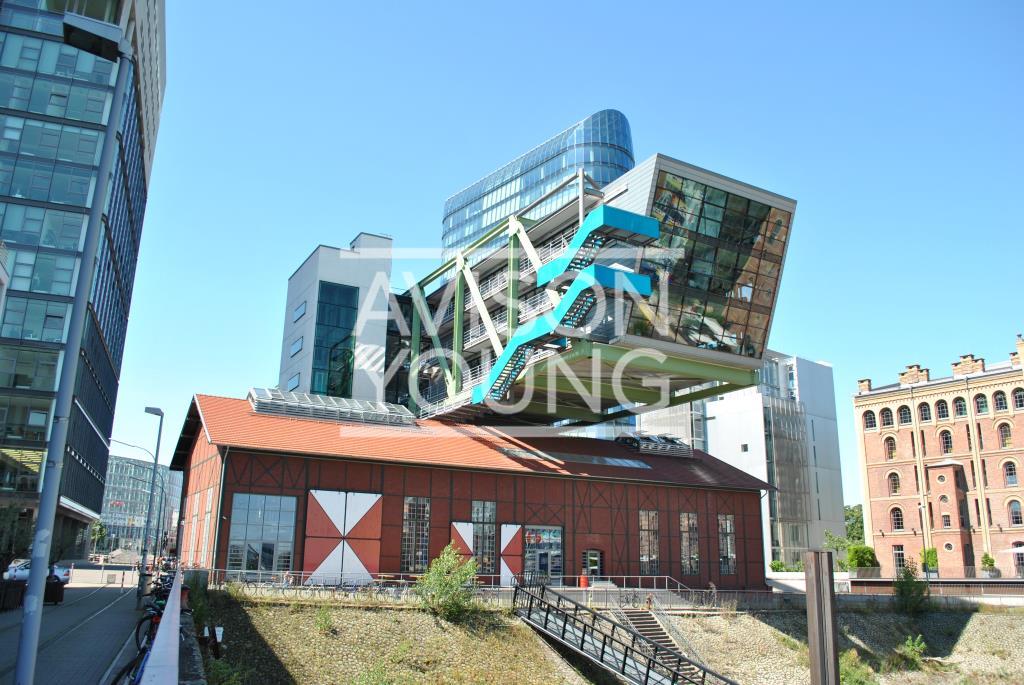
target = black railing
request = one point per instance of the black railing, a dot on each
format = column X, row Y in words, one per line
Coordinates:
column 615, row 647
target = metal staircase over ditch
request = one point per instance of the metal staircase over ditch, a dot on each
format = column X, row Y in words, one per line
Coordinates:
column 619, row 649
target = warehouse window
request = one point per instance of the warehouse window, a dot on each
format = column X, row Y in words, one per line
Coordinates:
column 689, row 544
column 483, row 515
column 648, row 542
column 416, row 535
column 727, row 544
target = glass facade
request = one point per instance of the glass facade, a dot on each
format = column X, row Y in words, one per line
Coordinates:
column 334, row 343
column 125, row 501
column 601, row 144
column 542, row 552
column 262, row 532
column 55, row 114
column 722, row 255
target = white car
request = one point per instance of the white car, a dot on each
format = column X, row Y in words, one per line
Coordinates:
column 19, row 568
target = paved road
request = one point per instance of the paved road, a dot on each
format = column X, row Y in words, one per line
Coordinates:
column 80, row 639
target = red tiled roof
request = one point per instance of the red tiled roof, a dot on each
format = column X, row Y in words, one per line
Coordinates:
column 232, row 422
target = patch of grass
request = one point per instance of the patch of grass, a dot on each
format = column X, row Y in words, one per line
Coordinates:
column 324, row 623
column 906, row 657
column 853, row 671
column 220, row 672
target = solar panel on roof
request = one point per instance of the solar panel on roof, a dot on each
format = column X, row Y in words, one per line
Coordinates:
column 323, row 407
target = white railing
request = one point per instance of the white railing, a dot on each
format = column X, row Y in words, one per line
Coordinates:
column 162, row 665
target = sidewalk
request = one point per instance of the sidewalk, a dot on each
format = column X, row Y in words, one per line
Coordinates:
column 79, row 639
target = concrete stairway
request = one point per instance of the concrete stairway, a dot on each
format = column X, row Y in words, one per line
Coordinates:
column 645, row 623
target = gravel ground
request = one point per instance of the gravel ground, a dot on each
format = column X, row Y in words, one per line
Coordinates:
column 770, row 648
column 281, row 644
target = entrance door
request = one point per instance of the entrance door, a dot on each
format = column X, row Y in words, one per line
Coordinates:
column 592, row 563
column 543, row 553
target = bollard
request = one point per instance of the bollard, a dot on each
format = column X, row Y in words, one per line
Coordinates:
column 122, row 580
column 822, row 638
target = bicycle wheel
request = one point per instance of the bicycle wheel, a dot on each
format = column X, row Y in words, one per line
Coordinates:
column 124, row 675
column 143, row 628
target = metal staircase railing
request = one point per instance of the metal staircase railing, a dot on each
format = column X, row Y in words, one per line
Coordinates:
column 573, row 308
column 613, row 646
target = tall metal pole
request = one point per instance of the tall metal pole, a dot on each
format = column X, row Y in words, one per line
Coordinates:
column 32, row 615
column 158, row 549
column 149, row 507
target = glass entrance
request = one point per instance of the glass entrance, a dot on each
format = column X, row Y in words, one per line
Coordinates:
column 592, row 565
column 542, row 556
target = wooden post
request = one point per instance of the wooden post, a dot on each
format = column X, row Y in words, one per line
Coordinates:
column 822, row 638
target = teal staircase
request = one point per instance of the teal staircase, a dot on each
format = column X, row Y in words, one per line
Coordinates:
column 602, row 224
column 572, row 310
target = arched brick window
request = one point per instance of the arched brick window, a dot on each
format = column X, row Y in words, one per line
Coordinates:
column 904, row 414
column 1016, row 516
column 942, row 409
column 894, row 483
column 946, row 441
column 999, row 401
column 1010, row 474
column 886, row 416
column 1005, row 435
column 869, row 420
column 896, row 518
column 980, row 404
column 959, row 406
column 890, row 448
column 924, row 411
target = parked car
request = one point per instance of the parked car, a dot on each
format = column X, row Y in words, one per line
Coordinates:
column 19, row 568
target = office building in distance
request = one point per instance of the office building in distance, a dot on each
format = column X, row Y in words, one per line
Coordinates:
column 784, row 431
column 601, row 145
column 56, row 104
column 941, row 463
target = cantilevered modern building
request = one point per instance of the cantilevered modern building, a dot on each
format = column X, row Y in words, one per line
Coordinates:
column 633, row 293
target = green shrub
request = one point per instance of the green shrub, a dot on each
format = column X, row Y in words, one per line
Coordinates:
column 198, row 600
column 930, row 559
column 911, row 592
column 853, row 671
column 987, row 562
column 324, row 623
column 906, row 657
column 861, row 556
column 447, row 588
column 220, row 672
column 778, row 565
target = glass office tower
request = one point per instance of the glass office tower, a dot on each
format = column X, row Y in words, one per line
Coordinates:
column 55, row 113
column 601, row 144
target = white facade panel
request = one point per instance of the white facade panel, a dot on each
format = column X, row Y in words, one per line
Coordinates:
column 365, row 266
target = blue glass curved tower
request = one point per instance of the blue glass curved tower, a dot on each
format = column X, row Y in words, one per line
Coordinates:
column 601, row 144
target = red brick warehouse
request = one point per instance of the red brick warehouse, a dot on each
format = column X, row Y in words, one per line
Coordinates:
column 334, row 498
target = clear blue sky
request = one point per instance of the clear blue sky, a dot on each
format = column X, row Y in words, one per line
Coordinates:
column 896, row 126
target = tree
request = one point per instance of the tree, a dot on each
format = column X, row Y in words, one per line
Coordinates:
column 911, row 591
column 97, row 534
column 447, row 587
column 854, row 524
column 861, row 556
column 15, row 535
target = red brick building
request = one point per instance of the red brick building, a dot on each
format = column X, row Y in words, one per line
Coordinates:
column 333, row 498
column 941, row 465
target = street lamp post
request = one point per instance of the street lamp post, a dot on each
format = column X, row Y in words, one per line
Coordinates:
column 155, row 411
column 106, row 41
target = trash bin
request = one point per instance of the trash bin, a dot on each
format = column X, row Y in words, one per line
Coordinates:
column 12, row 593
column 54, row 591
